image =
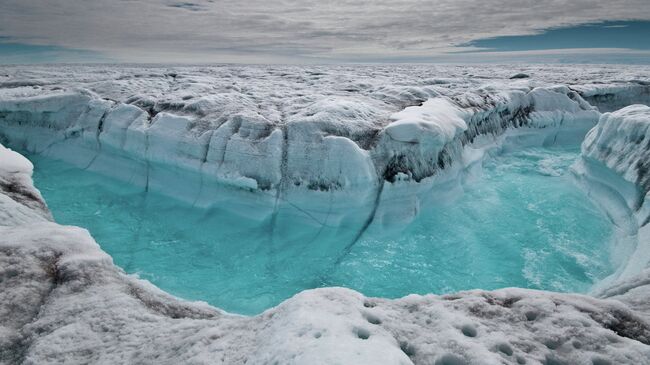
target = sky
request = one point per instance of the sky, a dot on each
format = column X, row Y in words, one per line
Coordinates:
column 324, row 31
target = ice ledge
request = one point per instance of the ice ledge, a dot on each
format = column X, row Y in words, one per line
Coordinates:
column 615, row 170
column 337, row 144
column 336, row 160
column 621, row 141
column 63, row 300
column 19, row 201
column 613, row 96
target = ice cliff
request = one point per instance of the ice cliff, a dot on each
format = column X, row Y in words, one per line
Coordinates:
column 614, row 169
column 350, row 147
column 296, row 136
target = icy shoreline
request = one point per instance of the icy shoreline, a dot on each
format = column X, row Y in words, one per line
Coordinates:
column 67, row 301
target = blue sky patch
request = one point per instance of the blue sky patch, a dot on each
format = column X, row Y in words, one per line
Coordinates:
column 13, row 52
column 610, row 34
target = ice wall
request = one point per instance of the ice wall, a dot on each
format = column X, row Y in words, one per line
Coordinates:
column 614, row 169
column 609, row 97
column 19, row 201
column 334, row 145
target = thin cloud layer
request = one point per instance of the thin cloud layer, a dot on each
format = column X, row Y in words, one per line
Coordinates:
column 290, row 30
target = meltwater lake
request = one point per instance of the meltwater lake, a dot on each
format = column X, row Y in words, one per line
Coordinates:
column 523, row 222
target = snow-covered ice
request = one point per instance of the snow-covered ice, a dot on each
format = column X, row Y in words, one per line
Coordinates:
column 257, row 137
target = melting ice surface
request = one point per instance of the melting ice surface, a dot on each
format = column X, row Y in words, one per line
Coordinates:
column 522, row 223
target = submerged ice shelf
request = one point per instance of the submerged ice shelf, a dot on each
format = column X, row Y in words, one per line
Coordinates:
column 524, row 222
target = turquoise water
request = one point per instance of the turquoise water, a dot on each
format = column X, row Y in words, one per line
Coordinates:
column 522, row 223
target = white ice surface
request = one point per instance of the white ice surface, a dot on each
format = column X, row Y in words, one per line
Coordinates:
column 289, row 132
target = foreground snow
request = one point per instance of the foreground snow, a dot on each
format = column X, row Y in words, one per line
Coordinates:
column 363, row 142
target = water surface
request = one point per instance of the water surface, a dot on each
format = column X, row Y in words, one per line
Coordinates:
column 523, row 223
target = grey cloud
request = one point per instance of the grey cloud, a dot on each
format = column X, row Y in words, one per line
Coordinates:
column 335, row 29
column 187, row 6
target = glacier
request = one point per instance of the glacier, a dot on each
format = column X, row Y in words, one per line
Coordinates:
column 336, row 145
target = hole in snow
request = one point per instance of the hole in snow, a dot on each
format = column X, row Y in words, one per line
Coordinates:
column 368, row 304
column 550, row 360
column 451, row 359
column 552, row 343
column 407, row 348
column 600, row 361
column 505, row 348
column 531, row 315
column 362, row 333
column 469, row 330
column 372, row 319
